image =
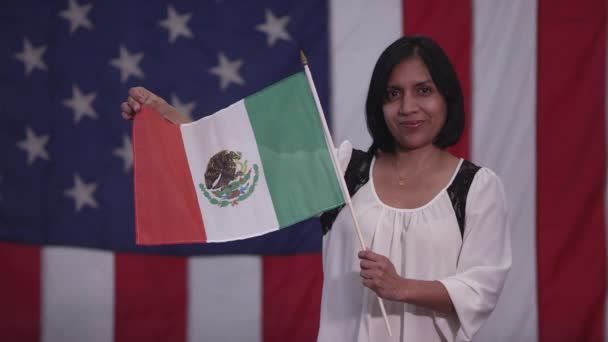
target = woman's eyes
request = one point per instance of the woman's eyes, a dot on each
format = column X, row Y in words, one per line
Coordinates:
column 393, row 94
column 424, row 90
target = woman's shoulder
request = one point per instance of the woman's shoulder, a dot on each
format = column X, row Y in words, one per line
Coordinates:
column 485, row 183
column 346, row 149
column 343, row 154
column 472, row 179
column 348, row 155
column 483, row 174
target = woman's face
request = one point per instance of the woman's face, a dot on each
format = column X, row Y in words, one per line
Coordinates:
column 414, row 110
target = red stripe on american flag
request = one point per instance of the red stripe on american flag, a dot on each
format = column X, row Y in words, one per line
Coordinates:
column 20, row 295
column 291, row 297
column 150, row 298
column 449, row 22
column 571, row 170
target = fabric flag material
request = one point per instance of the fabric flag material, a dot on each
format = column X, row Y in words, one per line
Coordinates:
column 257, row 166
column 534, row 76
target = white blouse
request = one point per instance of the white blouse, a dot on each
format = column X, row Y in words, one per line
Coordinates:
column 425, row 244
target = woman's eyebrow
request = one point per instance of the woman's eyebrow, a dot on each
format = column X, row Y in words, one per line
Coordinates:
column 425, row 82
column 416, row 84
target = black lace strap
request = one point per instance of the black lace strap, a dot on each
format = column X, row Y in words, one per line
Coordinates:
column 356, row 175
column 459, row 189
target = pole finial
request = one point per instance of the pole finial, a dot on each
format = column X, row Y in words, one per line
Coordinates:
column 303, row 58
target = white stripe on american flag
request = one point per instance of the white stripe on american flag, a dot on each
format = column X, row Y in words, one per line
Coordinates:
column 504, row 139
column 225, row 298
column 77, row 295
column 359, row 31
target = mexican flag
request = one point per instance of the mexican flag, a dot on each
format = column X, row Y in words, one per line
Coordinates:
column 259, row 165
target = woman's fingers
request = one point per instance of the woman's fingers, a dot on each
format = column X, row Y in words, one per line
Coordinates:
column 367, row 264
column 125, row 108
column 369, row 255
column 370, row 274
column 126, row 111
column 135, row 106
column 140, row 94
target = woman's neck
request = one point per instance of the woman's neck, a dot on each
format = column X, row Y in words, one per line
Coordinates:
column 415, row 160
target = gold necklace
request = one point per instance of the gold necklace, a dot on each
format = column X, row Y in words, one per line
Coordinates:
column 400, row 181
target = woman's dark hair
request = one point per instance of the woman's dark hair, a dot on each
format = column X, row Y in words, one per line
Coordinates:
column 443, row 76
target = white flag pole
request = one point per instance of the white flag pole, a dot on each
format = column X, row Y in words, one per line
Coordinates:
column 339, row 173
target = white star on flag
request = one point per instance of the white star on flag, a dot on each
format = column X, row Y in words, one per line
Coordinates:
column 125, row 152
column 34, row 146
column 182, row 107
column 77, row 16
column 81, row 104
column 82, row 193
column 128, row 64
column 31, row 57
column 227, row 71
column 176, row 24
column 275, row 28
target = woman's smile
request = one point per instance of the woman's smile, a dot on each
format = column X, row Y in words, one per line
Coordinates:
column 411, row 124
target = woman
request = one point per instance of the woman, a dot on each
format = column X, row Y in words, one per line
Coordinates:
column 436, row 225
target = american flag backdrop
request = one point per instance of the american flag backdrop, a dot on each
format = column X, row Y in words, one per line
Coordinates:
column 534, row 77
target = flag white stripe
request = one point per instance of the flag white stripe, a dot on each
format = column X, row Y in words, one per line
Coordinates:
column 77, row 295
column 504, row 139
column 225, row 298
column 359, row 31
column 202, row 140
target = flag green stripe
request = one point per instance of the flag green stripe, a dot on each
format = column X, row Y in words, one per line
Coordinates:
column 296, row 161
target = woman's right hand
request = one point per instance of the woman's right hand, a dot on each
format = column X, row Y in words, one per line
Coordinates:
column 139, row 96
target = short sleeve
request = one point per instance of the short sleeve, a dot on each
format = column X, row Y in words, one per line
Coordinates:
column 343, row 154
column 485, row 256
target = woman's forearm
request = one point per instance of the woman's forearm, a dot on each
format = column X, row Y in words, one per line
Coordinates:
column 428, row 294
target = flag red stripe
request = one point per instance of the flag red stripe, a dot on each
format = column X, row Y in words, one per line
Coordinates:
column 20, row 295
column 571, row 159
column 150, row 298
column 166, row 205
column 291, row 297
column 449, row 22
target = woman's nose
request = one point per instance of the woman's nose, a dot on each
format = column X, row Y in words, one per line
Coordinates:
column 408, row 104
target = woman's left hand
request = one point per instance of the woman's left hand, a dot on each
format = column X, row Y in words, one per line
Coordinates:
column 378, row 274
